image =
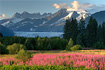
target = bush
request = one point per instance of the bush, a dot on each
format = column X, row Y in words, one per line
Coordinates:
column 98, row 45
column 70, row 44
column 23, row 55
column 3, row 49
column 15, row 48
column 76, row 47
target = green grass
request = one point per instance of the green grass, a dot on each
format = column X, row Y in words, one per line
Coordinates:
column 50, row 67
column 91, row 52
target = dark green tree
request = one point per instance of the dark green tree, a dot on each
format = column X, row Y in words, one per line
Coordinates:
column 3, row 49
column 91, row 32
column 103, row 32
column 99, row 34
column 28, row 43
column 81, row 32
column 81, row 26
column 80, row 40
column 1, row 35
column 70, row 30
column 66, row 29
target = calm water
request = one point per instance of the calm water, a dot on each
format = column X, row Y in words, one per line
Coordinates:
column 41, row 34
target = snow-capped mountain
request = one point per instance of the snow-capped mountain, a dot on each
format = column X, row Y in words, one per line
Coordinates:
column 46, row 22
column 17, row 17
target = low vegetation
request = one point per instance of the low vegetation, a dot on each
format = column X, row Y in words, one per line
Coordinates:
column 50, row 67
column 15, row 48
column 69, row 60
column 23, row 55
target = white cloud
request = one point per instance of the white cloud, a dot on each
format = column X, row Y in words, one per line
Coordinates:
column 77, row 6
column 3, row 16
column 58, row 6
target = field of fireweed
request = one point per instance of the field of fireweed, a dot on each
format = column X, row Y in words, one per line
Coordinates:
column 78, row 60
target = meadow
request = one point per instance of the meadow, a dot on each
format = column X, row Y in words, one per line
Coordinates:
column 56, row 60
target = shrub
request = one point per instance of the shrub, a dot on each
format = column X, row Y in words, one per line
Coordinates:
column 15, row 48
column 23, row 55
column 70, row 44
column 76, row 47
column 3, row 49
column 98, row 45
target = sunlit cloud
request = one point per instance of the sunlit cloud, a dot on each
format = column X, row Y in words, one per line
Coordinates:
column 58, row 6
column 77, row 6
column 3, row 16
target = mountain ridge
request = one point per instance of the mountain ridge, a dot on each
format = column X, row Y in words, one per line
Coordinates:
column 50, row 23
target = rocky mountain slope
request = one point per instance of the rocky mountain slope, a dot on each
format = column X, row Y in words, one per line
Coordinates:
column 5, row 31
column 46, row 22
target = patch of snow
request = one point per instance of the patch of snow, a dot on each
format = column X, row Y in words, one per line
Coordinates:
column 68, row 16
column 31, row 22
column 31, row 29
column 15, row 20
column 35, row 26
column 59, row 21
column 84, row 15
column 43, row 23
column 6, row 23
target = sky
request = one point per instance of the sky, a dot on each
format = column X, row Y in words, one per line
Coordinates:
column 10, row 7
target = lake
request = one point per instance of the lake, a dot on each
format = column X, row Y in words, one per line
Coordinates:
column 40, row 34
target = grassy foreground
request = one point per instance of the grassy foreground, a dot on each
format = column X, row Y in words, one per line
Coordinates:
column 15, row 67
column 34, row 52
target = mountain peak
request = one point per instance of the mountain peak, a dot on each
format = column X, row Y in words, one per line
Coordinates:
column 71, row 15
column 16, row 15
column 74, row 12
column 62, row 10
column 25, row 12
column 37, row 13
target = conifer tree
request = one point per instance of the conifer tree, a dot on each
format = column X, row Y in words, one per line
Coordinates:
column 91, row 32
column 66, row 29
column 70, row 30
column 81, row 26
column 103, row 32
column 81, row 32
column 80, row 40
column 99, row 34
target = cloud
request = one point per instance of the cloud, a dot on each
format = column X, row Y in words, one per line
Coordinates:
column 58, row 6
column 97, row 9
column 3, row 16
column 76, row 6
column 87, row 6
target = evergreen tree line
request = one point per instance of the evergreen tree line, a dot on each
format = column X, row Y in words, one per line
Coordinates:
column 89, row 35
column 37, row 43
